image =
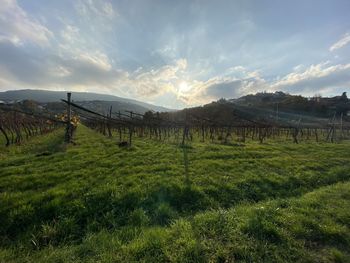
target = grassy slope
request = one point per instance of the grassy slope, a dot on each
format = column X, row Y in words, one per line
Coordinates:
column 96, row 202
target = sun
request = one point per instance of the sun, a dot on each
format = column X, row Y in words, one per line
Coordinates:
column 184, row 87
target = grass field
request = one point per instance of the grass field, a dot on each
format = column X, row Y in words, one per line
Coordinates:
column 159, row 202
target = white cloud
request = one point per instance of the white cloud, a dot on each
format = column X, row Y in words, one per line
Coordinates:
column 97, row 58
column 70, row 34
column 59, row 71
column 156, row 82
column 79, row 65
column 322, row 78
column 93, row 8
column 315, row 77
column 341, row 43
column 299, row 68
column 18, row 27
column 73, row 45
column 84, row 70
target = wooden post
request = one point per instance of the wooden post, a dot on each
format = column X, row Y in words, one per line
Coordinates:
column 119, row 128
column 130, row 130
column 109, row 122
column 202, row 132
column 68, row 128
column 330, row 135
column 341, row 126
column 184, row 131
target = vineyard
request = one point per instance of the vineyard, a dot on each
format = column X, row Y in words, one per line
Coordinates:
column 186, row 126
column 239, row 126
column 17, row 125
column 88, row 186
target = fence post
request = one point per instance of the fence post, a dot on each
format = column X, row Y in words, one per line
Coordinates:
column 131, row 129
column 68, row 128
column 341, row 126
column 184, row 131
column 109, row 122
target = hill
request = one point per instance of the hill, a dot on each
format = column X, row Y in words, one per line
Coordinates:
column 268, row 108
column 46, row 96
column 158, row 202
column 297, row 104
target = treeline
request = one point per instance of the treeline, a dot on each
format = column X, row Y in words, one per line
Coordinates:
column 266, row 109
column 317, row 105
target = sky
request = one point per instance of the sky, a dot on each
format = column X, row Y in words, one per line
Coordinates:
column 176, row 53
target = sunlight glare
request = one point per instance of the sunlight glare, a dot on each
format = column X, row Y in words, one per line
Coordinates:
column 184, row 87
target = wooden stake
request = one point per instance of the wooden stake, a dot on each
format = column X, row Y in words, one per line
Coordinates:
column 68, row 128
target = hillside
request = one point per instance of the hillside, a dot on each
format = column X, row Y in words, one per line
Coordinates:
column 260, row 105
column 276, row 109
column 284, row 102
column 158, row 202
column 46, row 96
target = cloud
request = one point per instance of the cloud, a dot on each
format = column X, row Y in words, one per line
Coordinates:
column 340, row 43
column 77, row 67
column 82, row 70
column 315, row 79
column 232, row 83
column 322, row 78
column 157, row 82
column 95, row 8
column 18, row 27
column 45, row 70
column 223, row 89
column 97, row 58
column 18, row 65
column 74, row 46
column 70, row 34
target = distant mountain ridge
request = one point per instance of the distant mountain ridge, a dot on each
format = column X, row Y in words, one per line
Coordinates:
column 47, row 96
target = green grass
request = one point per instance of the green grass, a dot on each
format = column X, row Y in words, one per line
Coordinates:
column 158, row 202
